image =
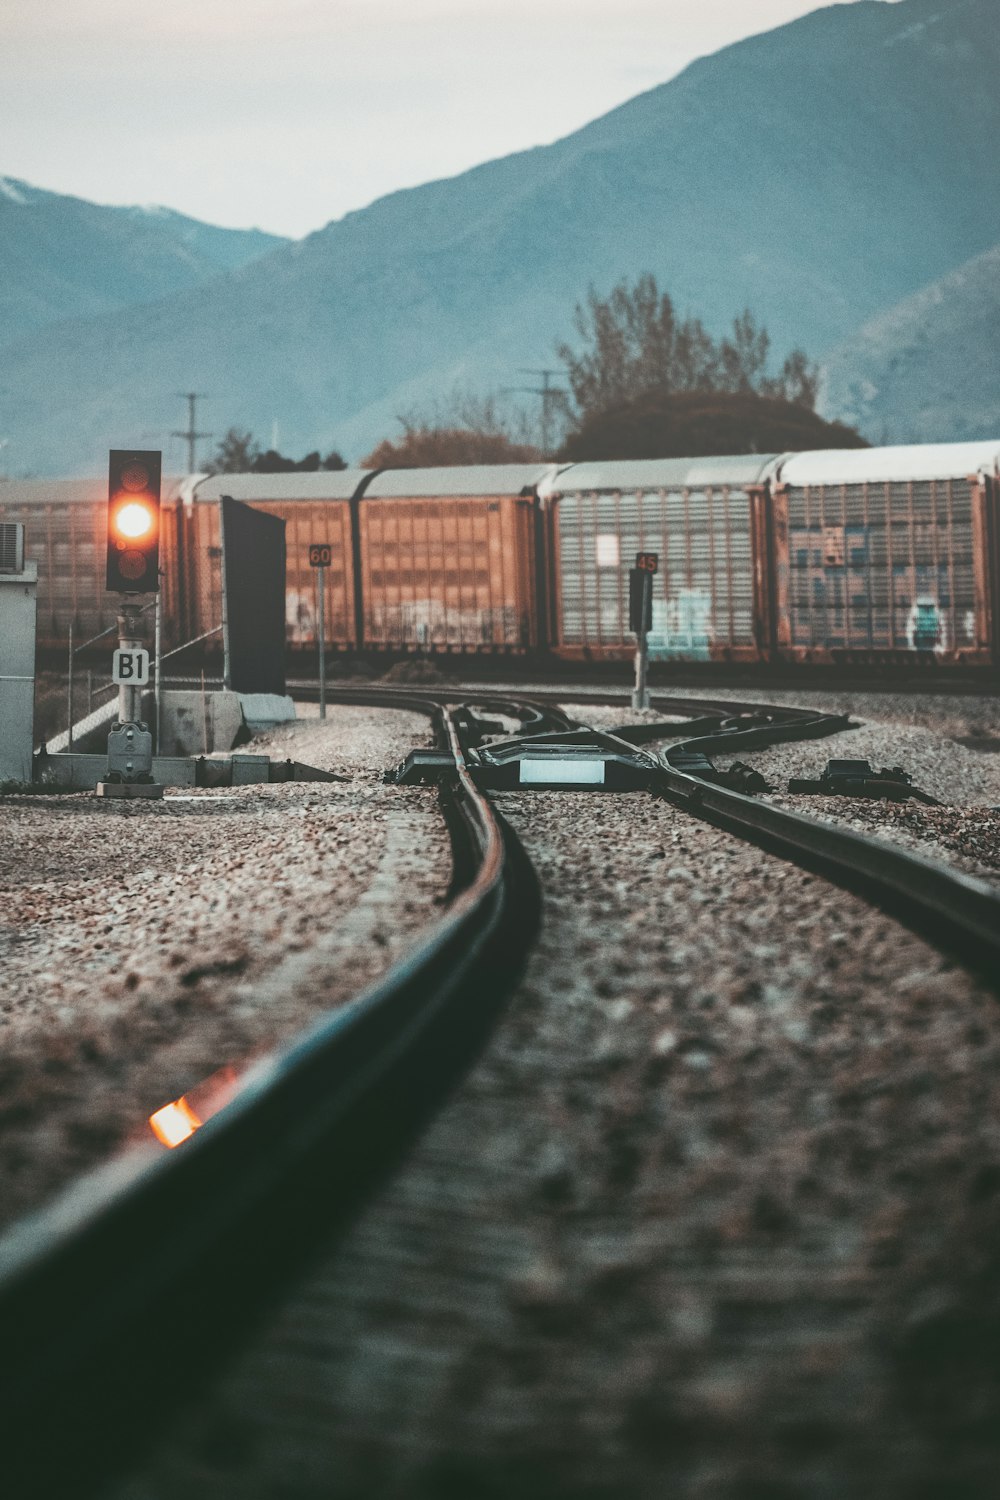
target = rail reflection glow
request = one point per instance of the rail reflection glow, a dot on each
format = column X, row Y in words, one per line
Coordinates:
column 176, row 1122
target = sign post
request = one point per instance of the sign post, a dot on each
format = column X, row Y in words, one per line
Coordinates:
column 640, row 611
column 320, row 556
column 133, row 552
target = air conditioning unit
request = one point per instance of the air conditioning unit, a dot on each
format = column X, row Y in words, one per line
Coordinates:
column 11, row 547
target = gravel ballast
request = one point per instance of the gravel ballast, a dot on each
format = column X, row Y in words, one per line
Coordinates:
column 715, row 1216
column 947, row 745
column 146, row 945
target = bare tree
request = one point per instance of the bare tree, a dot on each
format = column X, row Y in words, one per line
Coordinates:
column 634, row 343
column 743, row 358
column 235, row 454
column 423, row 447
column 798, row 381
column 463, row 429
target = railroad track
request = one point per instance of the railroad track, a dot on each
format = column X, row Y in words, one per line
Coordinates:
column 154, row 1262
column 959, row 912
column 103, row 1297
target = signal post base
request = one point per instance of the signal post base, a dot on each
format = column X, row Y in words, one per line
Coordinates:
column 126, row 789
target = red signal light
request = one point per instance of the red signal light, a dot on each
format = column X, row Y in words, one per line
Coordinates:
column 134, row 522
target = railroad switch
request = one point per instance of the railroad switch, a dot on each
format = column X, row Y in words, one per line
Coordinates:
column 740, row 777
column 423, row 768
column 583, row 759
column 857, row 778
column 743, row 778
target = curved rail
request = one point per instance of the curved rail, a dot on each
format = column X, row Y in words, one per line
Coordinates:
column 957, row 910
column 125, row 1291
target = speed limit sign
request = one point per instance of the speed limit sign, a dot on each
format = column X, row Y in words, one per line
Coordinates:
column 320, row 554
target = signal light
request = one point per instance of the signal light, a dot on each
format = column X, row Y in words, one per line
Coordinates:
column 134, row 521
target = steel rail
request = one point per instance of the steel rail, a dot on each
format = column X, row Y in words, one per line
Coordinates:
column 118, row 1297
column 959, row 912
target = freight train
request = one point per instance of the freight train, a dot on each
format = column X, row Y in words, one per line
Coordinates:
column 870, row 558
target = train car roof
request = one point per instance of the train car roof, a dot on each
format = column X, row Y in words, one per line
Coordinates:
column 661, row 473
column 463, row 479
column 317, row 484
column 914, row 461
column 73, row 491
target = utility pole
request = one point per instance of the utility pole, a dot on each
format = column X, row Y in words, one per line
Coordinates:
column 191, row 435
column 549, row 394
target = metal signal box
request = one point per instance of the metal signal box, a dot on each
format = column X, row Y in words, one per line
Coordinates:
column 130, row 753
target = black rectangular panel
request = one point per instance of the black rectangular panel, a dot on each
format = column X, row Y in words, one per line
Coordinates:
column 640, row 601
column 253, row 570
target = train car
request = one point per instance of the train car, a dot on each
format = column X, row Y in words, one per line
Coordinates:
column 865, row 558
column 451, row 559
column 65, row 522
column 701, row 515
column 886, row 556
column 316, row 507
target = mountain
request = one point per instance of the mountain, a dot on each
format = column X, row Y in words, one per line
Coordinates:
column 928, row 368
column 818, row 173
column 61, row 257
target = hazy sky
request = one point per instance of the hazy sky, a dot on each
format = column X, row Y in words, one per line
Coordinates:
column 288, row 113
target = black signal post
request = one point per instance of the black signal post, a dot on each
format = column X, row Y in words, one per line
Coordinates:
column 133, row 568
column 640, row 612
column 320, row 558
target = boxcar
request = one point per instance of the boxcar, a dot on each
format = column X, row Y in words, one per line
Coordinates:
column 450, row 558
column 887, row 555
column 699, row 515
column 316, row 507
column 65, row 523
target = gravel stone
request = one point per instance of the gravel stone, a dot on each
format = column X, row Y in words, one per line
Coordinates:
column 715, row 1215
column 143, row 946
column 948, row 744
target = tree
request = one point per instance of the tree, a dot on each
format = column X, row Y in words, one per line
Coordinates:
column 634, row 344
column 236, row 454
column 432, row 447
column 239, row 453
column 466, row 429
column 686, row 424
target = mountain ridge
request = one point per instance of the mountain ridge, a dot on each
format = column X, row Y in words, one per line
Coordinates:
column 819, row 173
column 927, row 366
column 64, row 257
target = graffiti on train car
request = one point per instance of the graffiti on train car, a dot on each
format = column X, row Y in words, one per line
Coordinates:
column 682, row 626
column 300, row 617
column 866, row 556
column 431, row 622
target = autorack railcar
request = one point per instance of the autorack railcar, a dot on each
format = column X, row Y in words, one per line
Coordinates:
column 700, row 515
column 887, row 555
column 866, row 557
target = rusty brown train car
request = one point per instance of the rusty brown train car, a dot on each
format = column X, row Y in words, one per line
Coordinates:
column 868, row 558
column 449, row 559
column 65, row 533
column 316, row 507
column 422, row 559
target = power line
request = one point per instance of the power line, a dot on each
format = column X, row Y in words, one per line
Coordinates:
column 191, row 436
column 549, row 394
